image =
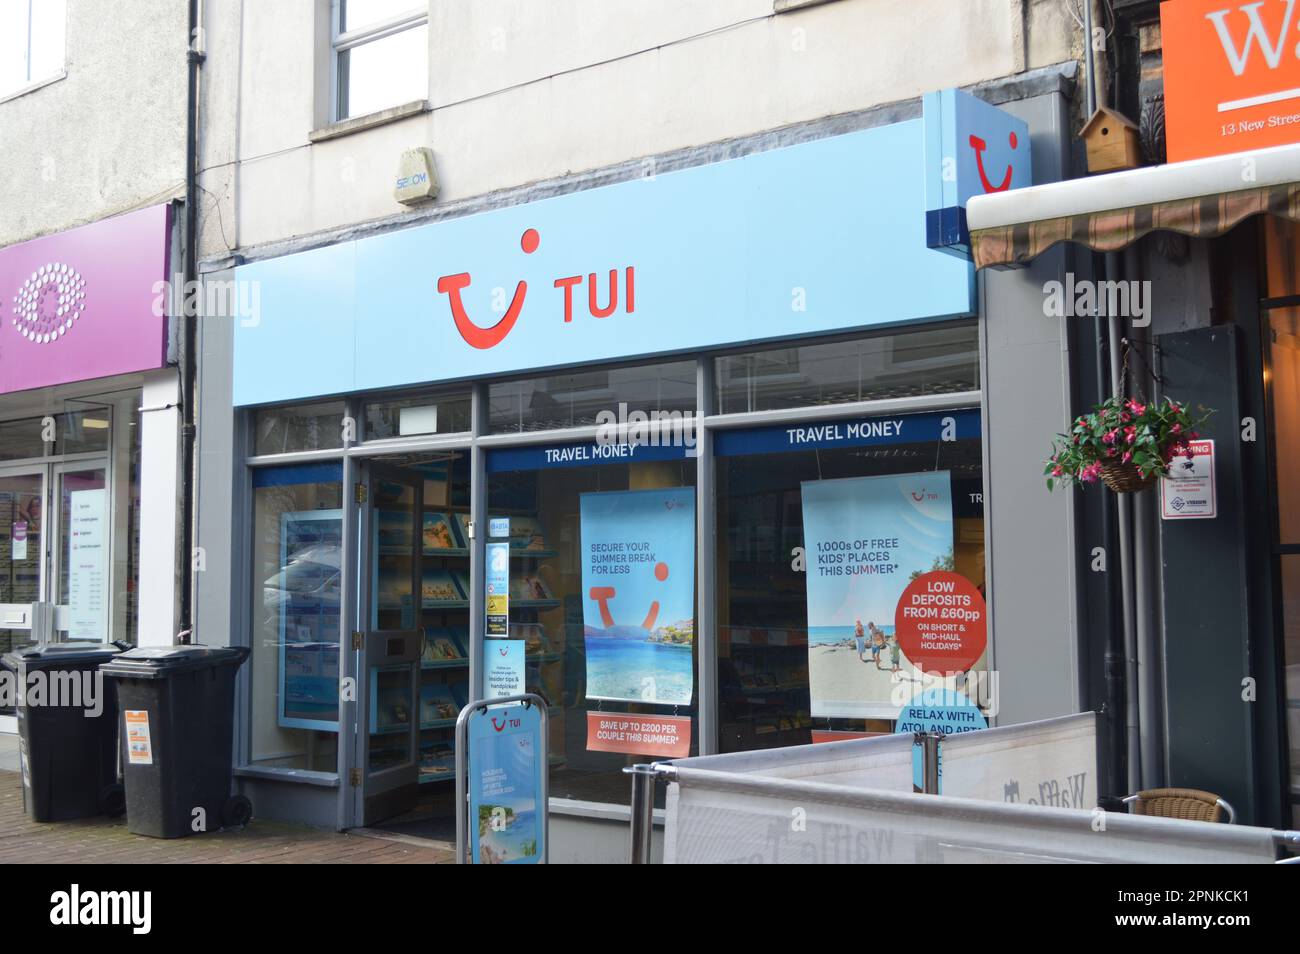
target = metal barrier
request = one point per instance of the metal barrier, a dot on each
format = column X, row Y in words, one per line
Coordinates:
column 849, row 802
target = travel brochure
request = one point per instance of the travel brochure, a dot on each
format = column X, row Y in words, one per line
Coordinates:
column 437, row 760
column 437, row 703
column 438, row 533
column 442, row 644
column 526, row 534
column 439, row 586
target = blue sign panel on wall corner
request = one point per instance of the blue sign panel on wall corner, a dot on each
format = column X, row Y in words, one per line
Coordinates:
column 971, row 148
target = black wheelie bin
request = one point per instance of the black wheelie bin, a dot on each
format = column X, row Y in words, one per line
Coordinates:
column 177, row 724
column 67, row 730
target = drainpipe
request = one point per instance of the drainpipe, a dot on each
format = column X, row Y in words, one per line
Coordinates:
column 1089, row 67
column 1146, row 608
column 188, row 375
column 1114, row 672
column 1124, row 504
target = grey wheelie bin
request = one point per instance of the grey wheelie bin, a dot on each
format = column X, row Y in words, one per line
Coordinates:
column 177, row 725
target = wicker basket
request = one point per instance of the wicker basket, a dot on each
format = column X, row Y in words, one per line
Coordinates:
column 1125, row 478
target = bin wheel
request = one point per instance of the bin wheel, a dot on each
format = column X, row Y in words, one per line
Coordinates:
column 237, row 812
column 112, row 800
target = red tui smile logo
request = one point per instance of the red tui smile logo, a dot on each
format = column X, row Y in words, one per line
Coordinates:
column 979, row 145
column 490, row 337
column 483, row 338
column 603, row 594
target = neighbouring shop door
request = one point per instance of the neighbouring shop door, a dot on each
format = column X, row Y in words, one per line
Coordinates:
column 391, row 641
column 22, row 553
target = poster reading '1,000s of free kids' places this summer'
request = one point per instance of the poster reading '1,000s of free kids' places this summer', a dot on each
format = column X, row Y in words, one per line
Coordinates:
column 866, row 538
column 638, row 594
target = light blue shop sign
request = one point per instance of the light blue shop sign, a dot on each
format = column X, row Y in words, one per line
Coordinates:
column 824, row 236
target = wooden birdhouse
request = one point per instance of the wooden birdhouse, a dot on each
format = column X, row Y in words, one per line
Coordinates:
column 1112, row 141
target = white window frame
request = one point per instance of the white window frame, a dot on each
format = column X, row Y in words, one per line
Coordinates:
column 341, row 42
column 31, row 82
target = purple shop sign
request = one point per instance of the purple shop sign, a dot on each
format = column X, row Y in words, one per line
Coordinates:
column 80, row 304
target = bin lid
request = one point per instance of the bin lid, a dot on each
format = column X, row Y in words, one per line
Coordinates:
column 159, row 662
column 53, row 655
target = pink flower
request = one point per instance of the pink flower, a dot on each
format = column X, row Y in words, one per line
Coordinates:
column 1176, row 429
column 1109, row 437
column 1128, row 456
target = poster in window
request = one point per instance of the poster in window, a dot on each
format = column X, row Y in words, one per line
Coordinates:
column 866, row 538
column 87, row 571
column 638, row 594
column 304, row 595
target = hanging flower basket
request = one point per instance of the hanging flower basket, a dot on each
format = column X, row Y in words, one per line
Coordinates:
column 1123, row 443
column 1126, row 478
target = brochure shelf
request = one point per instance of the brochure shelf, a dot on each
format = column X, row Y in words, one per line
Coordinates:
column 443, row 561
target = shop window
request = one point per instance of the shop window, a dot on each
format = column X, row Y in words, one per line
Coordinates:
column 602, row 592
column 22, row 528
column 297, row 567
column 418, row 415
column 32, row 38
column 22, row 439
column 903, row 364
column 576, row 398
column 381, row 55
column 1291, row 659
column 83, row 430
column 804, row 657
column 302, row 427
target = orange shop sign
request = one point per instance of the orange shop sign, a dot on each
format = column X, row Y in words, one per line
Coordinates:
column 1232, row 75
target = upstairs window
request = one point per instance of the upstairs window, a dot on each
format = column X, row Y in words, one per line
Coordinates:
column 32, row 36
column 380, row 53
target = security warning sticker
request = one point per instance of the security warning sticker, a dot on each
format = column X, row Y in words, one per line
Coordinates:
column 1188, row 493
column 139, row 749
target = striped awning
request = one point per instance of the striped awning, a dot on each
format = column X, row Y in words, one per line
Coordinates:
column 1202, row 198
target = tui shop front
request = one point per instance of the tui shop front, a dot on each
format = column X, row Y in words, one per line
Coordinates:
column 695, row 431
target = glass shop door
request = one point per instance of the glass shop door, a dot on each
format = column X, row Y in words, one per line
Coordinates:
column 391, row 641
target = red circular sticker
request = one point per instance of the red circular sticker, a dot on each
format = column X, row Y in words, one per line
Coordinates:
column 940, row 623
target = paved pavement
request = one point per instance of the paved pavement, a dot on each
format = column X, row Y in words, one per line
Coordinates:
column 106, row 841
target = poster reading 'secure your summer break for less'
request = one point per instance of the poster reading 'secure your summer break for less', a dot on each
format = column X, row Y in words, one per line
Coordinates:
column 866, row 538
column 638, row 594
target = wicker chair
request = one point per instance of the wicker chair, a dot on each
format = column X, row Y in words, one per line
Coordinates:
column 1188, row 803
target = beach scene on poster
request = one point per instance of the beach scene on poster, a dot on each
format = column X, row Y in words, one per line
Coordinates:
column 638, row 594
column 505, row 786
column 865, row 540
